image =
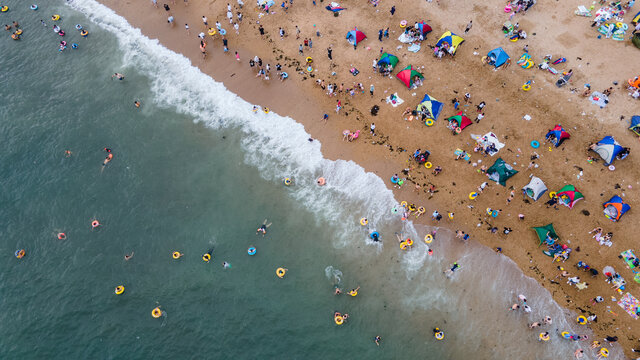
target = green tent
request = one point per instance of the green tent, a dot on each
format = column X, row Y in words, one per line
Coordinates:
column 542, row 231
column 500, row 171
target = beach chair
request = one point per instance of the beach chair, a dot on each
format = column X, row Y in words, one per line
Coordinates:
column 583, row 11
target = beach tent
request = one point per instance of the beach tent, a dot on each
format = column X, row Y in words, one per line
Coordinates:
column 335, row 7
column 424, row 28
column 615, row 208
column 387, row 59
column 266, row 3
column 488, row 140
column 408, row 74
column 542, row 231
column 557, row 135
column 608, row 148
column 569, row 196
column 430, row 107
column 497, row 57
column 355, row 36
column 461, row 119
column 450, row 38
column 500, row 172
column 635, row 124
column 636, row 18
column 535, row 188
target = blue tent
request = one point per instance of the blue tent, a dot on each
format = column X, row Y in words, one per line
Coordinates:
column 387, row 59
column 557, row 135
column 615, row 208
column 497, row 57
column 430, row 107
column 608, row 148
column 635, row 124
column 355, row 36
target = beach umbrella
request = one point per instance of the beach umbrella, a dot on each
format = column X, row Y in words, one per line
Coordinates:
column 497, row 57
column 387, row 59
column 424, row 28
column 430, row 107
column 500, row 172
column 355, row 36
column 408, row 74
column 615, row 208
column 569, row 196
column 542, row 231
column 557, row 135
column 608, row 148
column 450, row 38
column 461, row 119
column 535, row 188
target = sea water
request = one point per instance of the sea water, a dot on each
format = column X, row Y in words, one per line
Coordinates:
column 195, row 169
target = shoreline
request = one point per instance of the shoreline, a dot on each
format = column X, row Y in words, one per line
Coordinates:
column 386, row 160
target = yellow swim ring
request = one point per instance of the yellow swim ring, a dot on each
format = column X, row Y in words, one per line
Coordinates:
column 604, row 352
column 211, row 31
column 287, row 181
column 526, row 87
column 119, row 290
column 178, row 255
column 581, row 320
column 266, row 110
column 309, row 60
column 438, row 334
column 428, row 165
column 4, row 8
column 206, row 257
column 421, row 210
column 473, row 195
column 18, row 32
column 281, row 272
column 619, row 24
column 552, row 194
column 364, row 221
column 543, row 337
column 429, row 122
column 156, row 313
column 404, row 204
column 428, row 238
column 403, row 245
column 338, row 319
column 55, row 17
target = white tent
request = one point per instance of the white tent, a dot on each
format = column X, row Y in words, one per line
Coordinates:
column 487, row 140
column 535, row 188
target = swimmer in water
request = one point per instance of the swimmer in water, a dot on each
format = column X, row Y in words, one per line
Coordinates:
column 7, row 27
column 67, row 153
column 515, row 307
column 226, row 265
column 430, row 252
column 337, row 291
column 547, row 320
column 117, row 76
column 455, row 267
column 579, row 354
column 354, row 292
column 263, row 228
column 534, row 325
column 522, row 298
column 137, row 103
column 526, row 308
column 127, row 257
column 375, row 237
column 107, row 159
column 377, row 339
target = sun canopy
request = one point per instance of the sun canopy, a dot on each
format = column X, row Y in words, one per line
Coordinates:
column 489, row 142
column 615, row 208
column 635, row 124
column 408, row 74
column 497, row 57
column 608, row 148
column 387, row 59
column 430, row 107
column 424, row 28
column 355, row 36
column 557, row 135
column 450, row 38
column 535, row 188
column 500, row 172
column 461, row 120
column 569, row 196
column 542, row 232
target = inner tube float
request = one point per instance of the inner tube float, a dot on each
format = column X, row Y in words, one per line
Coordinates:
column 61, row 33
column 429, row 122
column 321, row 181
column 394, row 210
column 409, row 242
column 625, row 26
column 119, row 290
column 55, row 17
column 526, row 87
column 438, row 334
column 489, row 211
column 604, row 352
column 74, row 46
column 364, row 221
column 62, row 236
column 285, row 75
column 514, row 38
column 394, row 181
column 206, row 257
column 84, row 33
column 543, row 336
column 251, row 251
column 18, row 32
column 309, row 60
column 20, row 253
column 421, row 210
column 280, row 272
column 581, row 320
column 266, row 110
column 565, row 334
column 428, row 238
column 223, row 32
column 494, row 213
column 375, row 233
column 339, row 320
column 619, row 24
column 552, row 194
column 4, row 8
column 33, row 7
column 309, row 69
column 535, row 144
column 404, row 204
column 403, row 245
column 473, row 195
column 95, row 224
column 78, row 27
column 287, row 181
column 403, row 23
column 15, row 37
column 458, row 130
column 211, row 31
column 428, row 165
column 156, row 313
column 507, row 8
column 611, row 167
column 176, row 255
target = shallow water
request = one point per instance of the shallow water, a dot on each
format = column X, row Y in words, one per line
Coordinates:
column 196, row 169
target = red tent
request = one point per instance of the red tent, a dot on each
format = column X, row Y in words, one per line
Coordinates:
column 408, row 74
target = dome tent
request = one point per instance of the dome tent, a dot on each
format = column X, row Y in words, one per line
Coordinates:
column 387, row 59
column 542, row 232
column 497, row 57
column 615, row 208
column 408, row 74
column 608, row 148
column 430, row 107
column 557, row 135
column 355, row 36
column 569, row 196
column 500, row 172
column 535, row 188
column 451, row 39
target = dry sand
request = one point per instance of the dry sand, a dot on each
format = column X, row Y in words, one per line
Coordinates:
column 557, row 31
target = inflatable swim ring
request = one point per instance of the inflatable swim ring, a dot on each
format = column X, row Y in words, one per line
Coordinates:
column 409, row 242
column 507, row 8
column 119, row 290
column 211, row 31
column 403, row 23
column 78, row 27
column 223, row 32
column 458, row 130
column 74, row 46
column 321, row 181
column 285, row 75
column 428, row 238
column 604, row 352
column 338, row 319
column 61, row 33
column 95, row 224
column 552, row 194
column 404, row 204
column 489, row 211
column 619, row 24
column 364, row 221
column 4, row 8
column 625, row 27
column 33, row 7
column 309, row 60
column 543, row 337
column 18, row 32
column 287, row 181
column 421, row 210
column 565, row 334
column 55, row 17
column 394, row 210
column 266, row 110
column 581, row 320
column 494, row 213
column 62, row 236
column 535, row 144
column 20, row 253
column 251, row 251
column 84, row 33
column 281, row 272
column 156, row 313
column 309, row 69
column 611, row 167
column 428, row 165
column 394, row 181
column 403, row 245
column 429, row 122
column 206, row 257
column 526, row 87
column 176, row 255
column 15, row 37
column 438, row 334
column 473, row 195
column 375, row 233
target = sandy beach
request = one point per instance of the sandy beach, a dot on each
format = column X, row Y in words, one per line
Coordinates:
column 552, row 28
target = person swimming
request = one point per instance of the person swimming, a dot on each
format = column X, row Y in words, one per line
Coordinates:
column 118, row 76
column 137, row 103
column 127, row 257
column 453, row 268
column 354, row 292
column 107, row 159
column 377, row 340
column 375, row 237
column 226, row 265
column 263, row 228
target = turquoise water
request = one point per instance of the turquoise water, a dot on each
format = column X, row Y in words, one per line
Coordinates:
column 188, row 176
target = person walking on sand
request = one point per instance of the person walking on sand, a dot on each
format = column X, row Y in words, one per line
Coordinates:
column 204, row 20
column 371, row 89
column 373, row 129
column 469, row 25
column 237, row 56
column 203, row 48
column 186, row 27
column 329, row 51
column 393, row 10
column 338, row 106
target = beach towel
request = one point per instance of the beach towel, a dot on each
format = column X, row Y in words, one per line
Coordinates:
column 630, row 304
column 405, row 38
column 559, row 61
column 487, row 140
column 354, row 71
column 394, row 100
column 628, row 256
column 599, row 99
column 467, row 157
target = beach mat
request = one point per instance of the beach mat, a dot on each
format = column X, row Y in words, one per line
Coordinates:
column 630, row 304
column 467, row 157
column 396, row 101
column 628, row 256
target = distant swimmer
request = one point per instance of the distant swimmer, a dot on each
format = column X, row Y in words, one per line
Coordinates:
column 263, row 228
column 107, row 159
column 547, row 320
column 337, row 291
column 522, row 298
column 377, row 340
column 526, row 308
column 117, row 76
column 67, row 153
column 226, row 265
column 354, row 292
column 534, row 325
column 7, row 27
column 579, row 354
column 515, row 307
column 136, row 103
column 452, row 269
column 127, row 256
